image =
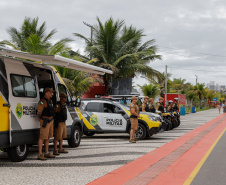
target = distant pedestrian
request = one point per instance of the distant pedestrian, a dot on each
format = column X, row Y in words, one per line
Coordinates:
column 219, row 108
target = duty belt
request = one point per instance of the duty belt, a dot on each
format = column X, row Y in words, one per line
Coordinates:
column 45, row 121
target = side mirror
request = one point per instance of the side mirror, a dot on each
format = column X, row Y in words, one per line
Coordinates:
column 76, row 103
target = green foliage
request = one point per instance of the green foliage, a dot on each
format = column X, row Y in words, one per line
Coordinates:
column 34, row 39
column 80, row 84
column 150, row 90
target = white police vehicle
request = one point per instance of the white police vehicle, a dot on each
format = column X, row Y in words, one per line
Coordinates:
column 100, row 116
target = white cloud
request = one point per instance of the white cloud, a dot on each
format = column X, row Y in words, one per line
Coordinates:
column 185, row 25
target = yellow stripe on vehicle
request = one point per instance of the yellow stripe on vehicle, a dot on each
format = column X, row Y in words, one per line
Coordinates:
column 145, row 118
column 85, row 121
column 4, row 115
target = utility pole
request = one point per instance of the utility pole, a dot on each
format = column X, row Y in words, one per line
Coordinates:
column 196, row 80
column 166, row 86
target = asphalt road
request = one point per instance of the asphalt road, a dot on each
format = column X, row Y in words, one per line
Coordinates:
column 95, row 157
column 214, row 168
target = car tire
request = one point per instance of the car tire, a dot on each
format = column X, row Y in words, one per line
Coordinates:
column 89, row 133
column 169, row 125
column 178, row 122
column 18, row 153
column 148, row 135
column 175, row 123
column 141, row 132
column 75, row 139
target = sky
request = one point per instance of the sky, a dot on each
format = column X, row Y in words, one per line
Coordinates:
column 190, row 35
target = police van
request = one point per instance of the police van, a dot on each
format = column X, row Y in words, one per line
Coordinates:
column 22, row 84
column 106, row 116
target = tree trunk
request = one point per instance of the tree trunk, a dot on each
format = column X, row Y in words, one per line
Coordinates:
column 107, row 83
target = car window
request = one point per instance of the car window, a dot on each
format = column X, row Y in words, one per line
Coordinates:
column 93, row 107
column 110, row 108
column 23, row 86
column 63, row 89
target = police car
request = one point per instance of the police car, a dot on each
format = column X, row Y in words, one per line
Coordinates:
column 100, row 115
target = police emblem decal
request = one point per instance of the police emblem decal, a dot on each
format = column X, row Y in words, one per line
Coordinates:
column 19, row 110
column 94, row 120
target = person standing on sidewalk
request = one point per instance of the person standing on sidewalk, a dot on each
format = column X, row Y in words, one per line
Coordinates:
column 170, row 106
column 160, row 105
column 151, row 106
column 176, row 105
column 134, row 111
column 145, row 107
column 60, row 131
column 45, row 113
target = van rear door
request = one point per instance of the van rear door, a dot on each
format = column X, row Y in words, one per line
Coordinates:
column 23, row 99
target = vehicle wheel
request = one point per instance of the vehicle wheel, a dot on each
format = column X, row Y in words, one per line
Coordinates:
column 18, row 153
column 164, row 125
column 74, row 140
column 168, row 124
column 140, row 132
column 148, row 135
column 89, row 133
column 178, row 122
column 175, row 124
column 171, row 125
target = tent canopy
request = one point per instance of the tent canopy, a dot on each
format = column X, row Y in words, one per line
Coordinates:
column 56, row 60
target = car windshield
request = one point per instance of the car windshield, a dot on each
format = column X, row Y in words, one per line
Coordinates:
column 123, row 106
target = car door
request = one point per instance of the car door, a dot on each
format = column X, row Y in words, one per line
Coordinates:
column 112, row 119
column 93, row 116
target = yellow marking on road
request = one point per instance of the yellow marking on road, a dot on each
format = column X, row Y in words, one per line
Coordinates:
column 198, row 167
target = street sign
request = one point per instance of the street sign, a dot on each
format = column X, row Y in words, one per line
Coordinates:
column 214, row 99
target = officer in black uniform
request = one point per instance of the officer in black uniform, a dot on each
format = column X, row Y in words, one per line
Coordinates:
column 60, row 124
column 160, row 105
column 176, row 105
column 45, row 113
column 170, row 106
column 145, row 107
column 151, row 106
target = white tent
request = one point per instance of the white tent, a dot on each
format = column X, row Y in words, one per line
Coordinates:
column 56, row 60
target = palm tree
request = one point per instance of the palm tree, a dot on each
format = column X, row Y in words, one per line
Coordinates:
column 33, row 39
column 150, row 90
column 119, row 48
column 200, row 91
